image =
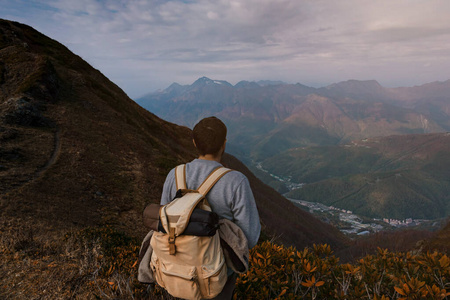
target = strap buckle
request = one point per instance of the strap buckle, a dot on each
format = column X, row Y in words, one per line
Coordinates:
column 172, row 247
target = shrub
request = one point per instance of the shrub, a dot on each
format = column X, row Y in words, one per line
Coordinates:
column 101, row 263
column 278, row 272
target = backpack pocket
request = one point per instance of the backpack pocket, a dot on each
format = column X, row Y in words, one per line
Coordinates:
column 179, row 280
column 213, row 281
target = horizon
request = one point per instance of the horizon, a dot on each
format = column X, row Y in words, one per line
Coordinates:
column 288, row 83
column 146, row 46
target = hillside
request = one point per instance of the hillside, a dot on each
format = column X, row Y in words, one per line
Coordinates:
column 76, row 154
column 388, row 177
column 76, row 151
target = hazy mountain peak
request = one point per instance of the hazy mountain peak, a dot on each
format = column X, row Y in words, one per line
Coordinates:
column 174, row 85
column 247, row 84
column 369, row 90
column 202, row 81
column 175, row 88
column 352, row 84
column 270, row 82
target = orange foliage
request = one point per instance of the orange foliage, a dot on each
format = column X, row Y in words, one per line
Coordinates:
column 278, row 272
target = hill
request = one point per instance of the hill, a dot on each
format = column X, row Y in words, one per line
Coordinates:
column 441, row 240
column 395, row 177
column 76, row 151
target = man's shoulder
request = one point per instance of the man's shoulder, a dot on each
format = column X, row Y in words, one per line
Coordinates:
column 235, row 176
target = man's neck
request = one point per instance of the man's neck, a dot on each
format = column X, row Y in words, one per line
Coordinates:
column 211, row 157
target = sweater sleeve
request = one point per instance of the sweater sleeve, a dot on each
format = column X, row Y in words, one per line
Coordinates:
column 245, row 213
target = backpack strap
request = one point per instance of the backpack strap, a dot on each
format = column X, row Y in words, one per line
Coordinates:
column 207, row 184
column 212, row 179
column 180, row 177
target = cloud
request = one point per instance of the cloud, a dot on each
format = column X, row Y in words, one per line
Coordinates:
column 142, row 44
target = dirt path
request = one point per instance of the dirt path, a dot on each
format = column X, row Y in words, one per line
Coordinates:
column 15, row 183
column 53, row 158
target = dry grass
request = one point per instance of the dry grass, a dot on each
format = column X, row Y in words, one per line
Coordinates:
column 82, row 264
column 101, row 263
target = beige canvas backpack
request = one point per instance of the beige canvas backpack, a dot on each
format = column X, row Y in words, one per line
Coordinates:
column 188, row 266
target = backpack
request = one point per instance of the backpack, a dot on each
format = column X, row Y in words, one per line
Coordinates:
column 188, row 266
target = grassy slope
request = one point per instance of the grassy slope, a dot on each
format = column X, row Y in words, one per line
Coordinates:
column 396, row 177
column 111, row 155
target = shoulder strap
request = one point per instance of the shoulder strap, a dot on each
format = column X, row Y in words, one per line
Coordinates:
column 212, row 179
column 207, row 184
column 180, row 177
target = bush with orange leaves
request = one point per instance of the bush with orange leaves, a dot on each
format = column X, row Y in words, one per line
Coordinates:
column 278, row 272
column 102, row 263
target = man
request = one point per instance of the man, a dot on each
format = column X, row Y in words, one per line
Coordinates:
column 231, row 197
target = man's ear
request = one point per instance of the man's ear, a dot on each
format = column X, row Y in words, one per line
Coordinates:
column 224, row 146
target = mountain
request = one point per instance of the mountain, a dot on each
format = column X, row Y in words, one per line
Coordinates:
column 269, row 119
column 76, row 151
column 356, row 89
column 305, row 135
column 397, row 177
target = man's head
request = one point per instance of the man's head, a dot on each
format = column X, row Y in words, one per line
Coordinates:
column 209, row 136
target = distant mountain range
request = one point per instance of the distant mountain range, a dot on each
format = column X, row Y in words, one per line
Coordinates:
column 268, row 124
column 265, row 120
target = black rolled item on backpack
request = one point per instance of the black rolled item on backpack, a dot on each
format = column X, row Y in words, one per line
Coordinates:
column 201, row 223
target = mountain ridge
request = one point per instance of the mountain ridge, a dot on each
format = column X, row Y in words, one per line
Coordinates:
column 395, row 177
column 77, row 151
column 268, row 123
column 361, row 108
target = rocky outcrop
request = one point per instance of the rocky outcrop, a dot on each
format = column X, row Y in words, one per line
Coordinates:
column 25, row 111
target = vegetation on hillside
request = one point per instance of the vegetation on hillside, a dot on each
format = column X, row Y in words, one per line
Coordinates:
column 394, row 177
column 101, row 263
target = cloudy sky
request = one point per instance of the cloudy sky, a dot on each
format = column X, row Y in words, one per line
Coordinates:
column 144, row 45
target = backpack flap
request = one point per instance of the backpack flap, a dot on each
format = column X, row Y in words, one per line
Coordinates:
column 175, row 216
column 177, row 213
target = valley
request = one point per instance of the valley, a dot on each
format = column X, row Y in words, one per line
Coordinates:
column 354, row 226
column 345, row 220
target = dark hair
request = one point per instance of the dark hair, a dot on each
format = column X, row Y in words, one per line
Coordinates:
column 209, row 135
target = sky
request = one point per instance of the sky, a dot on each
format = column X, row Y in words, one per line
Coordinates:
column 145, row 45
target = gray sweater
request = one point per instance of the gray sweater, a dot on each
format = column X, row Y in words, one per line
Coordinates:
column 231, row 197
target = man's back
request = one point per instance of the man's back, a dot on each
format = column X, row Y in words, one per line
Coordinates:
column 230, row 198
